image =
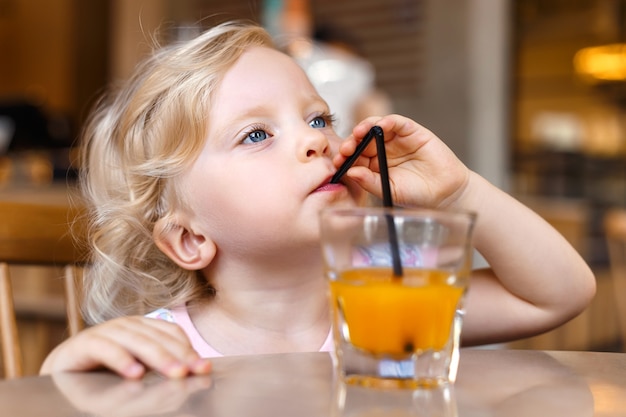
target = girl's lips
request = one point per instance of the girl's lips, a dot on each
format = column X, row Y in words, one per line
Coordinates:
column 329, row 187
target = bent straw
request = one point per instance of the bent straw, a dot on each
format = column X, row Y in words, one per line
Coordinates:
column 378, row 133
column 374, row 131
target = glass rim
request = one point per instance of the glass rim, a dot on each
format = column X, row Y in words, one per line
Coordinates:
column 421, row 212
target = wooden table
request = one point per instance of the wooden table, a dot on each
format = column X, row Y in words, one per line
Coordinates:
column 491, row 383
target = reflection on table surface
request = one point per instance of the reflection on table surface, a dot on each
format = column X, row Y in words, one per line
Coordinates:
column 490, row 383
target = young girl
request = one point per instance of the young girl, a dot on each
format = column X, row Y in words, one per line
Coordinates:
column 204, row 177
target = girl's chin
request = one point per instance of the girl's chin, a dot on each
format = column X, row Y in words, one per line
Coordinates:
column 347, row 202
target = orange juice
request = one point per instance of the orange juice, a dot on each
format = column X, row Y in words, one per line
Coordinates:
column 386, row 315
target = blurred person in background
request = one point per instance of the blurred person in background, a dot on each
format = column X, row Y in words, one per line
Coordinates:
column 332, row 61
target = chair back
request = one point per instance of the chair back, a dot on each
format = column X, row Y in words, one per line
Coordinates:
column 615, row 230
column 37, row 234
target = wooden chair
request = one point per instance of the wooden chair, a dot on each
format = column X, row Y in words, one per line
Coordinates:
column 615, row 230
column 36, row 234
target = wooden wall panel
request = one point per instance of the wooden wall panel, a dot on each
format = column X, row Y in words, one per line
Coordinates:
column 388, row 32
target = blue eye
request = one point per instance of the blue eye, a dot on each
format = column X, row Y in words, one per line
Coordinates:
column 318, row 123
column 256, row 136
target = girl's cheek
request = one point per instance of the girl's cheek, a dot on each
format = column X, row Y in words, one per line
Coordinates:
column 334, row 142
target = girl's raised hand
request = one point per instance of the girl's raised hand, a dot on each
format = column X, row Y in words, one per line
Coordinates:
column 423, row 171
column 129, row 346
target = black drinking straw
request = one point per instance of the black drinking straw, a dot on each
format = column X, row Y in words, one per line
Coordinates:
column 377, row 132
column 374, row 131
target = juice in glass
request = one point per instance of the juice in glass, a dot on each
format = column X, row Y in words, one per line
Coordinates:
column 388, row 316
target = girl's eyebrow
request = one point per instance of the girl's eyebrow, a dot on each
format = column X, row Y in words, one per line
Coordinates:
column 317, row 99
column 258, row 110
column 227, row 133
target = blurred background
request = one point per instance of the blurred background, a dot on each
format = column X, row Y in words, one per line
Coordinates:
column 529, row 93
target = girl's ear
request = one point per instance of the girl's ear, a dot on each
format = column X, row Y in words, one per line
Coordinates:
column 187, row 249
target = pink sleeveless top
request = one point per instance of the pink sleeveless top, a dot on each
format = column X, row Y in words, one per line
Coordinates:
column 180, row 316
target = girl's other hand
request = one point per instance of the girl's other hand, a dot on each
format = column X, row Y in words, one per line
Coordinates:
column 129, row 346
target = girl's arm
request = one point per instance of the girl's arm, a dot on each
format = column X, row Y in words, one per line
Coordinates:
column 537, row 280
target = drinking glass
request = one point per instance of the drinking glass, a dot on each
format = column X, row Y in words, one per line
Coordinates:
column 397, row 281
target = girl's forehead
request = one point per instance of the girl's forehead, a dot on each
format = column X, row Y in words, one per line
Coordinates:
column 259, row 58
column 264, row 70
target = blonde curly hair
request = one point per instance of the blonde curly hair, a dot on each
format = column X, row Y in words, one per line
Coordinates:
column 138, row 140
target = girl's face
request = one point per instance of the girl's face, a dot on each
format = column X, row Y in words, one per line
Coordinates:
column 262, row 176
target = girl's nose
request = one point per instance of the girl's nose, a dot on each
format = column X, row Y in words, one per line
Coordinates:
column 314, row 144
